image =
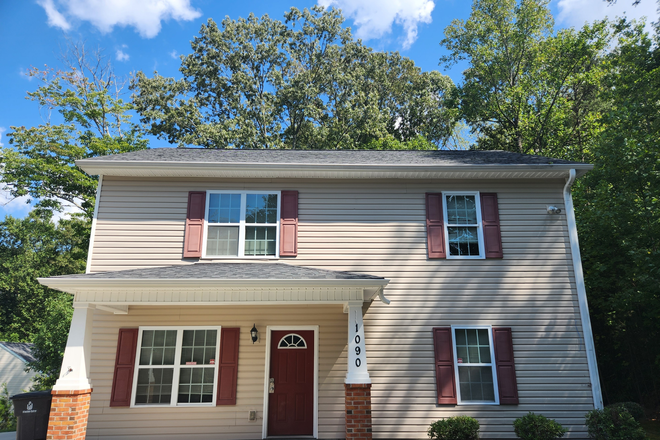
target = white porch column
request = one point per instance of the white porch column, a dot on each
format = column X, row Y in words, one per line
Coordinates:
column 357, row 355
column 74, row 374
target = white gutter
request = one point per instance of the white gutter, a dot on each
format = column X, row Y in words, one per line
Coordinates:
column 582, row 293
column 241, row 169
column 69, row 284
column 93, row 232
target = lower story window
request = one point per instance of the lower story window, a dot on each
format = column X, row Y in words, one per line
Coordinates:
column 176, row 366
column 474, row 360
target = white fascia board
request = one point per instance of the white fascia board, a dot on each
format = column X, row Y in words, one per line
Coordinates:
column 74, row 285
column 268, row 170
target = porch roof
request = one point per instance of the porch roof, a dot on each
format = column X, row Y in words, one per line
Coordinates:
column 220, row 283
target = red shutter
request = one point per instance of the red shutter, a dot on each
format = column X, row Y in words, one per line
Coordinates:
column 122, row 380
column 490, row 218
column 194, row 235
column 506, row 371
column 289, row 224
column 228, row 366
column 445, row 378
column 435, row 229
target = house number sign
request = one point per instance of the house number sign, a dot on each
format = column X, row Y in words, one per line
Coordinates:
column 357, row 359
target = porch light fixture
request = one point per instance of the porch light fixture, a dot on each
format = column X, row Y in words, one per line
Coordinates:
column 254, row 333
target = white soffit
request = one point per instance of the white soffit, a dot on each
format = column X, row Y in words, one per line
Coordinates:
column 316, row 171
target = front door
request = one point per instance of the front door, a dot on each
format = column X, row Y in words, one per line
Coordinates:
column 291, row 383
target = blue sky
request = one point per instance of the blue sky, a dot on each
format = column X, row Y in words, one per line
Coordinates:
column 150, row 35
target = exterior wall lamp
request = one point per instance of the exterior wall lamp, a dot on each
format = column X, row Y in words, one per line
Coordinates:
column 254, row 333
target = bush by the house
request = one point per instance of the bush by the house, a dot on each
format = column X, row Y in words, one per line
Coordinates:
column 7, row 417
column 455, row 428
column 537, row 427
column 613, row 423
column 635, row 409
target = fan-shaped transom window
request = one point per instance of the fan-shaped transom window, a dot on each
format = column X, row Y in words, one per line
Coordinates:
column 292, row 340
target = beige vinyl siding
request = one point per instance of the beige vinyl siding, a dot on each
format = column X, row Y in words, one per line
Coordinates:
column 378, row 227
column 220, row 422
column 12, row 373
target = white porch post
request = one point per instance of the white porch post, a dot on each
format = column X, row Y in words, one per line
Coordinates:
column 358, row 372
column 74, row 374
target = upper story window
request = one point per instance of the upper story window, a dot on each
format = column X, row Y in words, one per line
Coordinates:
column 242, row 224
column 463, row 226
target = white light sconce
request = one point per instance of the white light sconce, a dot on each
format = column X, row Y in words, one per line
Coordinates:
column 553, row 209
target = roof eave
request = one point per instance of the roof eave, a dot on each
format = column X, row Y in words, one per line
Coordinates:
column 72, row 285
column 215, row 169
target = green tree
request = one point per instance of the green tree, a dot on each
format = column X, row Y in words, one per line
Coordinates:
column 301, row 83
column 40, row 161
column 35, row 247
column 618, row 213
column 527, row 89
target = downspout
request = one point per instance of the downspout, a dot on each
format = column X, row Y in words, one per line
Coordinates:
column 582, row 293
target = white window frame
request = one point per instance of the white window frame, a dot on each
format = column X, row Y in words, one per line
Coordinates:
column 177, row 367
column 479, row 225
column 492, row 364
column 241, row 225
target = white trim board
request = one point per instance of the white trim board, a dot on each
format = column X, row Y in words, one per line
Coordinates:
column 269, row 329
column 93, row 231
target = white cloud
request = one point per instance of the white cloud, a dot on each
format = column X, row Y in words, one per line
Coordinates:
column 2, row 130
column 144, row 15
column 374, row 18
column 174, row 55
column 121, row 55
column 55, row 18
column 577, row 12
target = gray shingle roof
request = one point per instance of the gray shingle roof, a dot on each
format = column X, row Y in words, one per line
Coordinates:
column 225, row 271
column 331, row 157
column 21, row 349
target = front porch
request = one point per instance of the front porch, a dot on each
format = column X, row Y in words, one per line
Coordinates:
column 325, row 304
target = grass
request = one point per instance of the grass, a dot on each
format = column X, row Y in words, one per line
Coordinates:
column 652, row 428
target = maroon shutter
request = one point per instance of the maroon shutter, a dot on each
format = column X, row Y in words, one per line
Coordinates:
column 435, row 229
column 228, row 366
column 506, row 371
column 490, row 217
column 122, row 380
column 194, row 235
column 445, row 378
column 289, row 224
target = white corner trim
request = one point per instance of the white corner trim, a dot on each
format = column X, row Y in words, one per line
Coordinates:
column 582, row 293
column 269, row 329
column 93, row 231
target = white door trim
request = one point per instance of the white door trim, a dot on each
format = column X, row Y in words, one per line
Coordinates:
column 269, row 329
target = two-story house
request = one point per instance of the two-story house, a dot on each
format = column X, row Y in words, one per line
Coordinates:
column 248, row 294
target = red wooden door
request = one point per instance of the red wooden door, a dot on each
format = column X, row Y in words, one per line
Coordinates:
column 291, row 404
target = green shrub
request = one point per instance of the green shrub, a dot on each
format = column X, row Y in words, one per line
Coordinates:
column 7, row 417
column 537, row 427
column 635, row 409
column 613, row 423
column 455, row 428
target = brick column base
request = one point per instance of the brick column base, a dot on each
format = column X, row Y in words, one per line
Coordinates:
column 68, row 415
column 358, row 411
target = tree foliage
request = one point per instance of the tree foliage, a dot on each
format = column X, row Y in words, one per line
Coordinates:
column 618, row 212
column 35, row 247
column 527, row 88
column 40, row 161
column 301, row 83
